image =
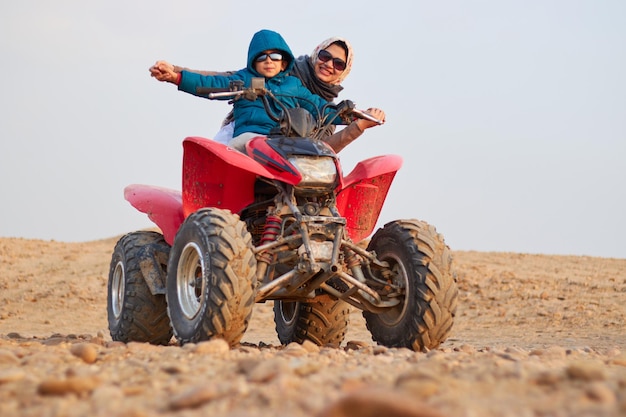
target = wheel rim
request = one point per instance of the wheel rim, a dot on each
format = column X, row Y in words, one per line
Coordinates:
column 288, row 311
column 190, row 285
column 394, row 315
column 118, row 285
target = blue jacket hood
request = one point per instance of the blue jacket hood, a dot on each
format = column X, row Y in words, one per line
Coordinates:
column 265, row 40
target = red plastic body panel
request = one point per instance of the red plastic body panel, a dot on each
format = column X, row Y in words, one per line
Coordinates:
column 162, row 205
column 215, row 175
column 262, row 152
column 363, row 194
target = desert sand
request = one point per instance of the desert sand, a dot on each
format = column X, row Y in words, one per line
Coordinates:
column 534, row 335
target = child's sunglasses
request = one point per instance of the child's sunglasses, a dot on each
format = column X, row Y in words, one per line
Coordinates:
column 325, row 56
column 274, row 56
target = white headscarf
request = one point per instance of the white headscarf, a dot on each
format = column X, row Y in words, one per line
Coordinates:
column 349, row 57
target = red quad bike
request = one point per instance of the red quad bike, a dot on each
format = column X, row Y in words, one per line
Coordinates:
column 279, row 223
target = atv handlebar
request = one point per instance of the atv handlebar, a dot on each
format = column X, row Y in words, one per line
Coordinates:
column 347, row 107
column 206, row 91
column 363, row 115
column 257, row 88
column 236, row 89
column 219, row 94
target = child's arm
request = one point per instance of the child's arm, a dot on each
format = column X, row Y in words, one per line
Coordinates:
column 190, row 81
column 203, row 72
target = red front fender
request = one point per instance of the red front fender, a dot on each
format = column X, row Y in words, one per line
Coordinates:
column 215, row 175
column 363, row 194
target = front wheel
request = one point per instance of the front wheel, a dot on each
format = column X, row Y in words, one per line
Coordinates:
column 323, row 321
column 134, row 313
column 421, row 264
column 211, row 278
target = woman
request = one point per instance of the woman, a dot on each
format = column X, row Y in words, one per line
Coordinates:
column 322, row 73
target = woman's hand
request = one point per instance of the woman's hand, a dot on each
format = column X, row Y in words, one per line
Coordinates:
column 163, row 71
column 366, row 124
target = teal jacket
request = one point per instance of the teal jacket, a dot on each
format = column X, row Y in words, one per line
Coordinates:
column 250, row 115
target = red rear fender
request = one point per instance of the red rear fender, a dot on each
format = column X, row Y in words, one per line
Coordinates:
column 162, row 205
column 363, row 193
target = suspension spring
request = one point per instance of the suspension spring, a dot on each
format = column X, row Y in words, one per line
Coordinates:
column 352, row 259
column 271, row 229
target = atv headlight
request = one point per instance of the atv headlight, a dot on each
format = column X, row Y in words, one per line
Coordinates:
column 315, row 170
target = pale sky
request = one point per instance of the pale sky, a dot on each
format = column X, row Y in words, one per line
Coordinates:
column 510, row 115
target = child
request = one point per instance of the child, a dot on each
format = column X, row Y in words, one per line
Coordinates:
column 270, row 57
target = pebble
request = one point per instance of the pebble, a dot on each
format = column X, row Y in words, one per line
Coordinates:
column 516, row 353
column 618, row 360
column 196, row 396
column 379, row 350
column 245, row 366
column 267, row 370
column 465, row 348
column 88, row 352
column 212, row 347
column 356, row 345
column 310, row 346
column 102, row 396
column 137, row 347
column 55, row 341
column 7, row 357
column 553, row 352
column 294, row 349
column 73, row 385
column 586, row 371
column 11, row 375
column 374, row 403
column 305, row 368
column 601, row 393
column 422, row 389
column 175, row 368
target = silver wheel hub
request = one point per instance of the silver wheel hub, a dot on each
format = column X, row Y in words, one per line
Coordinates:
column 118, row 287
column 190, row 283
column 288, row 310
column 394, row 315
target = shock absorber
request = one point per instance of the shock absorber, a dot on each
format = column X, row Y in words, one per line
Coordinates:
column 351, row 259
column 271, row 231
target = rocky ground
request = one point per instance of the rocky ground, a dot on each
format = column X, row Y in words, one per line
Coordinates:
column 535, row 335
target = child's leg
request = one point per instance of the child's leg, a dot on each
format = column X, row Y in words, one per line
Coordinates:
column 239, row 142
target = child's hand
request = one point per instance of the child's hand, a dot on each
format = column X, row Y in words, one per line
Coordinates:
column 163, row 71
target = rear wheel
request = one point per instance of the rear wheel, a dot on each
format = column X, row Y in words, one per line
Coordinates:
column 211, row 278
column 420, row 263
column 134, row 313
column 323, row 322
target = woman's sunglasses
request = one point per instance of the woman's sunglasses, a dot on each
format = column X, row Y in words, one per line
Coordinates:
column 274, row 56
column 325, row 56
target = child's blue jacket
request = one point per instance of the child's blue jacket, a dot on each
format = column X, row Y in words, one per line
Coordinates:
column 250, row 116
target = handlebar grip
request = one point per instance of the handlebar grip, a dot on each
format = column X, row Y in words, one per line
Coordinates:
column 205, row 91
column 367, row 116
column 226, row 94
